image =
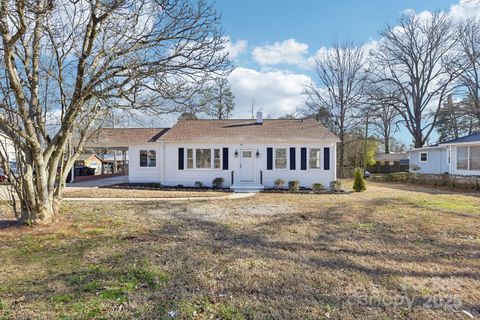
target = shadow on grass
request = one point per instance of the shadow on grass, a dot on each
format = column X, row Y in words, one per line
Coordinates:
column 9, row 224
column 257, row 270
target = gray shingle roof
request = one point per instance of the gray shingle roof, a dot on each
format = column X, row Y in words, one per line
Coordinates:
column 249, row 131
column 123, row 137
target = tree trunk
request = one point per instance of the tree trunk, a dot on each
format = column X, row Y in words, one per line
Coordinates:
column 41, row 213
column 418, row 141
column 387, row 145
column 40, row 201
column 342, row 155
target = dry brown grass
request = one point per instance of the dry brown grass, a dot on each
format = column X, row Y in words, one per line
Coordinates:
column 272, row 256
column 133, row 193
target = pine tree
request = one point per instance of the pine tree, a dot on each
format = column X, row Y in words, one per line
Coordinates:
column 359, row 184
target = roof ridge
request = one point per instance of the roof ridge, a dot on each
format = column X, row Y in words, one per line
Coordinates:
column 463, row 137
column 156, row 128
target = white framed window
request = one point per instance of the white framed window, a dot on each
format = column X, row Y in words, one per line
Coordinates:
column 462, row 158
column 217, row 160
column 280, row 158
column 468, row 158
column 203, row 158
column 189, row 158
column 148, row 158
column 314, row 158
column 424, row 156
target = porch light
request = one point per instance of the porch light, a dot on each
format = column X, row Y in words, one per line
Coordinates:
column 257, row 154
column 236, row 154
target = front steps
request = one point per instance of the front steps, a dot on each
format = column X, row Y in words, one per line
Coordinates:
column 246, row 187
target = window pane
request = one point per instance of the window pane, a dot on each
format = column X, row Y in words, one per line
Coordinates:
column 474, row 158
column 315, row 158
column 216, row 160
column 143, row 158
column 203, row 158
column 462, row 158
column 281, row 158
column 424, row 156
column 189, row 158
column 152, row 158
column 246, row 154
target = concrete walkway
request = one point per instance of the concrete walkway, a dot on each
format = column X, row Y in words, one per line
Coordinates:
column 227, row 197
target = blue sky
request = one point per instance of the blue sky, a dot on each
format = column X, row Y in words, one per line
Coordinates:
column 273, row 43
column 317, row 23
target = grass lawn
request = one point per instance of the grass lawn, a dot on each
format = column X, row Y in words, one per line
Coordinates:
column 133, row 193
column 389, row 252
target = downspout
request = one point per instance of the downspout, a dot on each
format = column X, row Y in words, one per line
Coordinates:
column 334, row 162
column 162, row 172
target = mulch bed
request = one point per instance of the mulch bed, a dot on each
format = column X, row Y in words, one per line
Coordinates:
column 302, row 191
column 150, row 186
column 155, row 186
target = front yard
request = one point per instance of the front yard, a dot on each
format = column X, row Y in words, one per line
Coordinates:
column 398, row 251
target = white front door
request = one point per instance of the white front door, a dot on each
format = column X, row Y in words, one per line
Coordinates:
column 247, row 165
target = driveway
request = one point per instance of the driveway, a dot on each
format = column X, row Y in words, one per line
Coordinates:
column 98, row 182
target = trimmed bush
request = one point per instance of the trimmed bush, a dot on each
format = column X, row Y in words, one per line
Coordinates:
column 198, row 184
column 217, row 183
column 294, row 185
column 318, row 187
column 336, row 186
column 279, row 183
column 359, row 182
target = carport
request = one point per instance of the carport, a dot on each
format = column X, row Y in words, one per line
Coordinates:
column 111, row 146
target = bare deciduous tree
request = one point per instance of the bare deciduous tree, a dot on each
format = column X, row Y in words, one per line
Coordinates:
column 469, row 62
column 338, row 93
column 415, row 57
column 384, row 116
column 65, row 63
column 218, row 100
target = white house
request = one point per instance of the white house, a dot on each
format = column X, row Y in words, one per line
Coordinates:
column 7, row 149
column 247, row 154
column 458, row 156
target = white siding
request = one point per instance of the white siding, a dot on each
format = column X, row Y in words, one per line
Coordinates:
column 7, row 148
column 137, row 174
column 167, row 171
column 437, row 162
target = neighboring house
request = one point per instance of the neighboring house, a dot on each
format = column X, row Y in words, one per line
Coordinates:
column 115, row 163
column 91, row 161
column 390, row 162
column 247, row 154
column 457, row 156
column 7, row 149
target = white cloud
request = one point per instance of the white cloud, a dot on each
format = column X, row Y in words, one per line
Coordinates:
column 276, row 92
column 465, row 9
column 288, row 51
column 234, row 49
column 311, row 62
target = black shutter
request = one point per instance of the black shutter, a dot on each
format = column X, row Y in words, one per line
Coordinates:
column 303, row 160
column 180, row 158
column 326, row 158
column 292, row 159
column 225, row 158
column 269, row 158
